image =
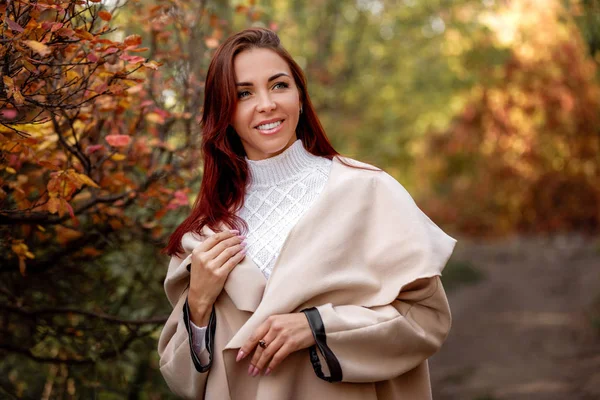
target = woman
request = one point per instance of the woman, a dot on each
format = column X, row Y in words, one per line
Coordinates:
column 333, row 289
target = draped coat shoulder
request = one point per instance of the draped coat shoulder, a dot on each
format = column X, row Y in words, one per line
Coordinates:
column 363, row 263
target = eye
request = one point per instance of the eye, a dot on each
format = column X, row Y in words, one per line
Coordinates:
column 243, row 94
column 281, row 85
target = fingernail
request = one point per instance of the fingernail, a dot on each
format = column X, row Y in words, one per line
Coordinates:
column 256, row 371
column 268, row 371
column 240, row 356
column 244, row 244
column 250, row 369
column 234, row 231
column 241, row 237
column 244, row 251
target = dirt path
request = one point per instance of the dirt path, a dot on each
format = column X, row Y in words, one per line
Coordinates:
column 525, row 331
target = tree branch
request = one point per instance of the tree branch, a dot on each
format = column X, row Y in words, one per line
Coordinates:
column 75, row 360
column 8, row 217
column 99, row 315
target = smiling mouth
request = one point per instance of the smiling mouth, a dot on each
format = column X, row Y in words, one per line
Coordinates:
column 269, row 126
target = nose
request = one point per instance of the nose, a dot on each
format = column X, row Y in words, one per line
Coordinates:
column 265, row 103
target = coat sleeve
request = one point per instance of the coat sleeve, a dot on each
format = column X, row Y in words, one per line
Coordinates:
column 184, row 371
column 359, row 344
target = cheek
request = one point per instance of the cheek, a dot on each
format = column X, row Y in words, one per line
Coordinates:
column 240, row 117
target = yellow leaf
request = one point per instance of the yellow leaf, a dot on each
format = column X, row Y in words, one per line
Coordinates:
column 87, row 180
column 29, row 254
column 8, row 81
column 152, row 65
column 118, row 157
column 10, row 170
column 155, row 118
column 38, row 47
column 18, row 98
column 52, row 205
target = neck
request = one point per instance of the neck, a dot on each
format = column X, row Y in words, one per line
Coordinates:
column 291, row 162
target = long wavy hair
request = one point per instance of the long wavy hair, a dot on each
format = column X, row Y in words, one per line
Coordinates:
column 225, row 169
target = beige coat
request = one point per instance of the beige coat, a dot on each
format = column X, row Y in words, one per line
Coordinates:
column 369, row 260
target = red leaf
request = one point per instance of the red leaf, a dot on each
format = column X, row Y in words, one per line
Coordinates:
column 118, row 140
column 94, row 148
column 13, row 25
column 132, row 59
column 111, row 50
column 8, row 113
column 56, row 26
column 92, row 57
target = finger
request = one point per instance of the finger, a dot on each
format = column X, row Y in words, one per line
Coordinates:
column 213, row 240
column 265, row 356
column 252, row 342
column 233, row 261
column 223, row 245
column 268, row 337
column 281, row 354
column 227, row 254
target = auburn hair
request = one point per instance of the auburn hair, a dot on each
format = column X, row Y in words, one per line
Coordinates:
column 225, row 169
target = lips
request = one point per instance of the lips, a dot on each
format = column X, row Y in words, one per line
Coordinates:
column 267, row 127
column 271, row 128
column 267, row 122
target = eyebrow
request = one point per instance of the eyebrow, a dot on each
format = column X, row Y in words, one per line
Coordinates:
column 270, row 79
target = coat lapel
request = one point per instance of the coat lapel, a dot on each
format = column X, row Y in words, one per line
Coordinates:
column 245, row 284
column 266, row 309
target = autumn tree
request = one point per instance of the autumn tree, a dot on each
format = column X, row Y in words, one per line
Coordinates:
column 100, row 143
column 524, row 154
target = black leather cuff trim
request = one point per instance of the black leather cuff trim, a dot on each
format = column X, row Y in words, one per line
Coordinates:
column 318, row 330
column 209, row 337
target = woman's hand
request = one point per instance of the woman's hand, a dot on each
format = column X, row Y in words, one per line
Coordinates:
column 212, row 261
column 283, row 334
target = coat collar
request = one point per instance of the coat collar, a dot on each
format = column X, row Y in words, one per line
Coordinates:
column 246, row 284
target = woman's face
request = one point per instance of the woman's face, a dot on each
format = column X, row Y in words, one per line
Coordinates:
column 268, row 105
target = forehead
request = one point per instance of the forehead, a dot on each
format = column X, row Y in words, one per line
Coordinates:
column 258, row 64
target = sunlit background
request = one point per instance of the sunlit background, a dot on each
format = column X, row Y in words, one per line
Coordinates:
column 487, row 111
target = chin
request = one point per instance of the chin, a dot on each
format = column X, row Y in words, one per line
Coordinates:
column 270, row 147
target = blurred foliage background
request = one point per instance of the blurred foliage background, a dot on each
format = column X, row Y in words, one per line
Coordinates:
column 488, row 111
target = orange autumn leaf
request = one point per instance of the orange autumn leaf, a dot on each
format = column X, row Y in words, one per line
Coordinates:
column 83, row 34
column 105, row 15
column 91, row 251
column 53, row 205
column 8, row 82
column 19, row 99
column 64, row 235
column 133, row 40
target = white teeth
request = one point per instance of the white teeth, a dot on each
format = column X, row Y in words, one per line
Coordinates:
column 272, row 125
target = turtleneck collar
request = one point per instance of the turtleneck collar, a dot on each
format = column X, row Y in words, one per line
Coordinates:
column 291, row 162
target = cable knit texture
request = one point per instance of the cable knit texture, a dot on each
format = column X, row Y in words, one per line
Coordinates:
column 280, row 191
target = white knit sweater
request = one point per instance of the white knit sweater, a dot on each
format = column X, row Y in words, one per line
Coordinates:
column 280, row 190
